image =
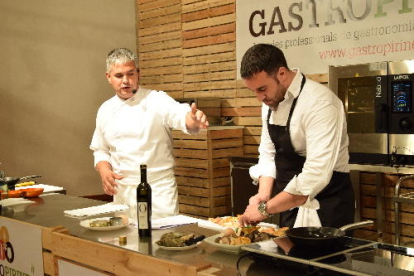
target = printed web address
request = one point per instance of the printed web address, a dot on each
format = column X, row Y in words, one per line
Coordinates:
column 369, row 50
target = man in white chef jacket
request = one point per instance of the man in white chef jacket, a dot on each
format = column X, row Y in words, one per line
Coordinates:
column 133, row 128
column 303, row 171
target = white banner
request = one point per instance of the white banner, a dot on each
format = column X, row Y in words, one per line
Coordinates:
column 314, row 34
column 20, row 249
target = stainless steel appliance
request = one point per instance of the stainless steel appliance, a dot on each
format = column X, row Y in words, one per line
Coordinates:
column 378, row 100
column 350, row 257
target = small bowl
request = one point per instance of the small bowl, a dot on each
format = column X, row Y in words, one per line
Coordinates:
column 31, row 192
column 115, row 221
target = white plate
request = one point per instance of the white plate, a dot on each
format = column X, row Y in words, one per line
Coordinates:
column 171, row 248
column 225, row 247
column 86, row 224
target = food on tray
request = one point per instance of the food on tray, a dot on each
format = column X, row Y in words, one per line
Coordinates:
column 249, row 234
column 232, row 224
column 273, row 231
column 226, row 221
column 177, row 239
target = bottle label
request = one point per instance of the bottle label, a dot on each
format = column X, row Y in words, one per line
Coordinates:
column 143, row 215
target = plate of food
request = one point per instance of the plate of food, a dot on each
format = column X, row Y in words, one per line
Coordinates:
column 104, row 224
column 177, row 241
column 233, row 240
column 221, row 223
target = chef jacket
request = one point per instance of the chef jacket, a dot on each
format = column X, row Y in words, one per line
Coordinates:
column 318, row 132
column 138, row 131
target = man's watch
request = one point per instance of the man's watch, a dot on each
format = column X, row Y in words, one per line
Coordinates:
column 262, row 209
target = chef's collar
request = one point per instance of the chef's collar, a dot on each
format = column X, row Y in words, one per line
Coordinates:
column 294, row 87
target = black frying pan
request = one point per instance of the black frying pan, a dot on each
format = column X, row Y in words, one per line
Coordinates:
column 12, row 181
column 318, row 237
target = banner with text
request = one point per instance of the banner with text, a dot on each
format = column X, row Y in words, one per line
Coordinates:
column 314, row 34
column 20, row 248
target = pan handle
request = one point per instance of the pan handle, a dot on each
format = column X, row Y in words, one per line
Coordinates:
column 29, row 176
column 356, row 225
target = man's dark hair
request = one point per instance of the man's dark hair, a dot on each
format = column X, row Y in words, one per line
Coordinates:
column 262, row 57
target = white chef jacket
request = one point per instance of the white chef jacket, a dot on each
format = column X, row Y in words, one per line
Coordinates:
column 318, row 132
column 136, row 131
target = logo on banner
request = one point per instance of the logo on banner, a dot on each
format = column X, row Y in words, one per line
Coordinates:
column 6, row 248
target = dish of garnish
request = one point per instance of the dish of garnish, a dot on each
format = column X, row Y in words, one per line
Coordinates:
column 177, row 241
column 102, row 224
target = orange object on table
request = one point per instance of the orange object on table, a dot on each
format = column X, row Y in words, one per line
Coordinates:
column 14, row 193
column 31, row 192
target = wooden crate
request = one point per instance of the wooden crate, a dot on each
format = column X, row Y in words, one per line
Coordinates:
column 202, row 169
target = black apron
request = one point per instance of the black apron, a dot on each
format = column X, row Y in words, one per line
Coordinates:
column 337, row 202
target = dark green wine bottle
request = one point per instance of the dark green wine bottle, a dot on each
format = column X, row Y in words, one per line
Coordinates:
column 144, row 205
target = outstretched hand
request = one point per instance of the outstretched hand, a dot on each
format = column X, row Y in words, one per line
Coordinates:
column 196, row 119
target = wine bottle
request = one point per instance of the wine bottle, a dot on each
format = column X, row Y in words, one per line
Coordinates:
column 144, row 205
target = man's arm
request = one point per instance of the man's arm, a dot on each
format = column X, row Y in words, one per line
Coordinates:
column 281, row 202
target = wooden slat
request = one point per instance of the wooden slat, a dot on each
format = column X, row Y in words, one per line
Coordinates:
column 160, row 30
column 206, row 13
column 156, row 13
column 191, row 6
column 252, row 131
column 205, row 212
column 242, row 111
column 160, row 63
column 211, row 58
column 204, row 202
column 160, row 45
column 150, row 5
column 227, row 143
column 169, row 37
column 202, row 135
column 176, row 52
column 210, row 49
column 209, row 22
column 226, row 133
column 198, row 33
column 211, row 67
column 219, row 84
column 191, row 163
column 153, row 22
column 251, row 140
column 190, row 144
column 248, row 121
column 210, row 40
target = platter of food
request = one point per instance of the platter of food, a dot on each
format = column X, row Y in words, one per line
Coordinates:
column 177, row 241
column 233, row 240
column 104, row 224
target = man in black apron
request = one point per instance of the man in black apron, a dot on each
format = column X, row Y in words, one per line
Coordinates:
column 323, row 178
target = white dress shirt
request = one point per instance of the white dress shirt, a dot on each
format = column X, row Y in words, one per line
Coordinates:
column 138, row 131
column 318, row 132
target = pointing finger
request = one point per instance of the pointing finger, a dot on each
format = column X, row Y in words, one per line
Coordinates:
column 193, row 108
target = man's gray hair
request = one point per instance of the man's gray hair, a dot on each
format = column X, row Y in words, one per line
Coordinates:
column 120, row 56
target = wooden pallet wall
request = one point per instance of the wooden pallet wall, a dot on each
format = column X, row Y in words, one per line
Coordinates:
column 188, row 49
column 159, row 45
column 203, row 170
